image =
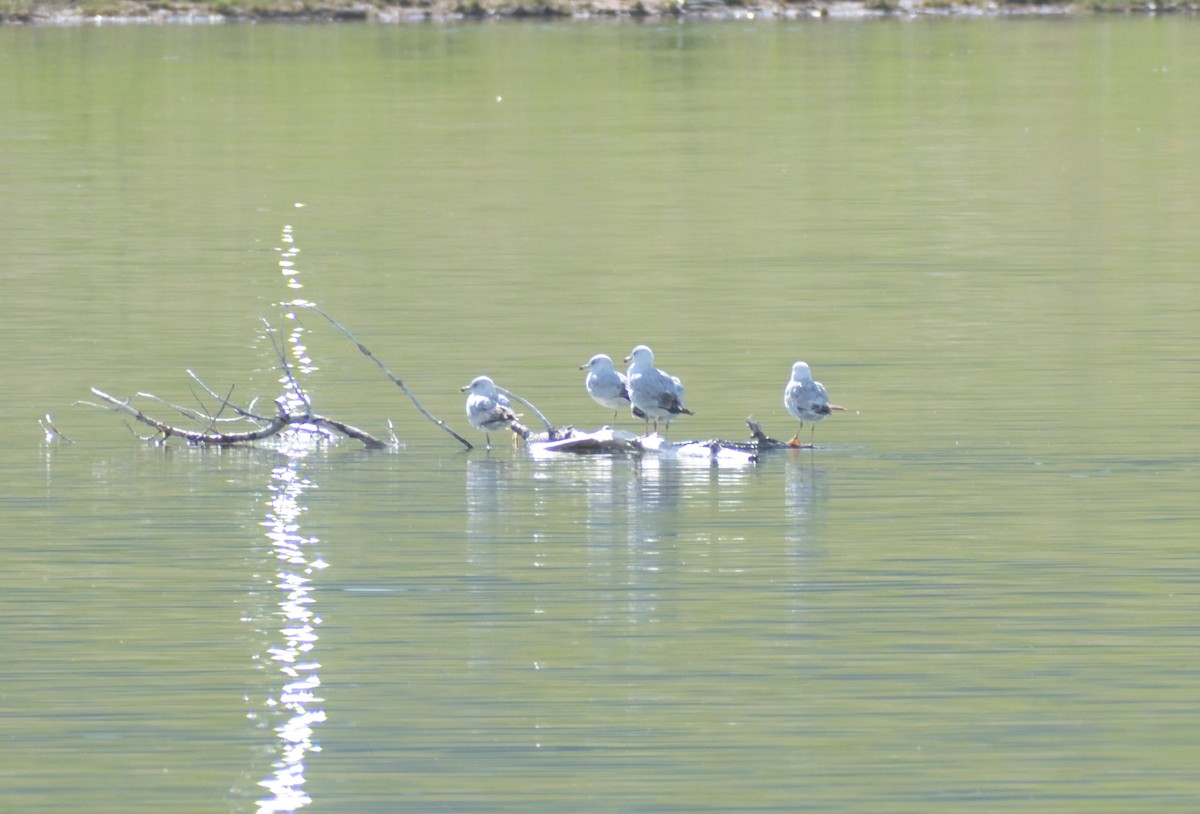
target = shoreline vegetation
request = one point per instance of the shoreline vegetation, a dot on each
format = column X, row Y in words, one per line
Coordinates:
column 91, row 12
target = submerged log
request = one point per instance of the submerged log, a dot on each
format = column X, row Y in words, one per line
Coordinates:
column 607, row 441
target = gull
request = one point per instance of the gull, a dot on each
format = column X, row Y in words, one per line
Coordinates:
column 652, row 392
column 606, row 385
column 806, row 400
column 488, row 409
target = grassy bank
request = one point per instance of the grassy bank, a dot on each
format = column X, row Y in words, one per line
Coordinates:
column 392, row 11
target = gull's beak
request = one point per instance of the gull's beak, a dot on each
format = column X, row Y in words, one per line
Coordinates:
column 627, row 358
column 464, row 388
column 583, row 366
column 837, row 408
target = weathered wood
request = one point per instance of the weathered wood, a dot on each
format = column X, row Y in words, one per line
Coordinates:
column 270, row 428
column 396, row 380
column 53, row 433
column 514, row 397
column 607, row 441
column 577, row 442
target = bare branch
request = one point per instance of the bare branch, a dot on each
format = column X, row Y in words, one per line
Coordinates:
column 392, row 376
column 393, row 440
column 368, row 440
column 52, row 432
column 517, row 398
column 154, row 438
column 244, row 413
column 286, row 366
column 200, row 417
column 213, row 418
column 270, row 427
column 197, row 436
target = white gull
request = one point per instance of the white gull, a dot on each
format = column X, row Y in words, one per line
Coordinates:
column 806, row 399
column 487, row 408
column 655, row 393
column 606, row 385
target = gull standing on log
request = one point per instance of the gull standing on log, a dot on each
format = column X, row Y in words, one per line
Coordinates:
column 605, row 384
column 488, row 409
column 655, row 393
column 806, row 400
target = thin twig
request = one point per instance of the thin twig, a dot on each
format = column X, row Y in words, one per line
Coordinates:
column 392, row 376
column 289, row 379
column 52, row 432
column 214, row 418
column 244, row 413
column 517, row 398
column 197, row 436
column 202, row 409
column 368, row 440
column 157, row 439
column 393, row 440
column 200, row 417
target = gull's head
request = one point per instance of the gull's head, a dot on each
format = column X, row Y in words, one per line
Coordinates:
column 598, row 362
column 641, row 355
column 801, row 373
column 480, row 385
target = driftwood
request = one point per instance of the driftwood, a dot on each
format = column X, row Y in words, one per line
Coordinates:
column 230, row 424
column 293, row 409
column 262, row 426
column 396, row 380
column 607, row 441
column 217, row 420
column 524, row 433
column 53, row 433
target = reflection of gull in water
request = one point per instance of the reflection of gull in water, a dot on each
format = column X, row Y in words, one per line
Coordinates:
column 655, row 393
column 805, row 495
column 606, row 385
column 487, row 407
column 806, row 399
column 489, row 497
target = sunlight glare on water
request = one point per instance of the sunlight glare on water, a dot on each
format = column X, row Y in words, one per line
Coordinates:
column 296, row 706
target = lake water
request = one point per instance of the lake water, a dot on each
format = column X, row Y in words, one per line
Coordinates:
column 980, row 591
